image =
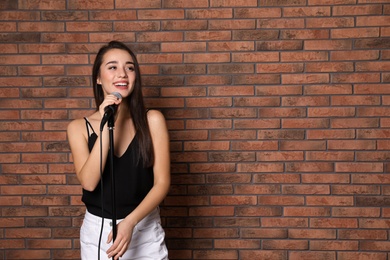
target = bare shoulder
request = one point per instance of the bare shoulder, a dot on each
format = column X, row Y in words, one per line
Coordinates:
column 75, row 125
column 78, row 125
column 155, row 118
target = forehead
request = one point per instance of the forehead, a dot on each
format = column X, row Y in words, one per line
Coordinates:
column 117, row 55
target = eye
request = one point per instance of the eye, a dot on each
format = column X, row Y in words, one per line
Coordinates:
column 130, row 68
column 112, row 67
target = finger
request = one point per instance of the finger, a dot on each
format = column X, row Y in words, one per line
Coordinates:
column 123, row 247
column 109, row 238
column 114, row 249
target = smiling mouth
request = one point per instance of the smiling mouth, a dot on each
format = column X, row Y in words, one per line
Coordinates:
column 121, row 84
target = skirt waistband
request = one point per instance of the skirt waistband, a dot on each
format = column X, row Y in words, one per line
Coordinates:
column 151, row 217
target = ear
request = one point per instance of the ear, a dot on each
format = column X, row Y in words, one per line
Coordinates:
column 98, row 81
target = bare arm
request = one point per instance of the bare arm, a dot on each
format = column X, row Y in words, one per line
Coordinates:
column 86, row 163
column 162, row 180
column 161, row 167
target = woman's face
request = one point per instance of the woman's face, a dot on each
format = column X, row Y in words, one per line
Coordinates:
column 117, row 73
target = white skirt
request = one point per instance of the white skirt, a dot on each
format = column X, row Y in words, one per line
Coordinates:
column 147, row 241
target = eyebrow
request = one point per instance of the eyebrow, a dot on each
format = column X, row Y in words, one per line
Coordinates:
column 115, row 62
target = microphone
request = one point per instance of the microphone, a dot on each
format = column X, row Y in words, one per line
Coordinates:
column 109, row 111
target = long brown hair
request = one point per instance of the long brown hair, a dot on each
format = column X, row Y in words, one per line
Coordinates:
column 135, row 102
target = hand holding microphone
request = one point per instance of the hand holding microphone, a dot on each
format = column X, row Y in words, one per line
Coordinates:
column 110, row 110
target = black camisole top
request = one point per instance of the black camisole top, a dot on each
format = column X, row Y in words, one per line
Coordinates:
column 132, row 182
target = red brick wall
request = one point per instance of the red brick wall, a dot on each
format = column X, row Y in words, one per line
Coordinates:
column 278, row 110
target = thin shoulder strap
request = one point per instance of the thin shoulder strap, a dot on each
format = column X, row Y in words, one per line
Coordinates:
column 89, row 126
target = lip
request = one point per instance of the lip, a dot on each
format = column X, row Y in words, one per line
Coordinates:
column 121, row 84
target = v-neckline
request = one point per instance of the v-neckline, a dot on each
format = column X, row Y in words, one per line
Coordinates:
column 127, row 149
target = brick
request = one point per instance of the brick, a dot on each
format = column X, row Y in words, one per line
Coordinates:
column 300, row 145
column 352, row 145
column 282, row 112
column 138, row 4
column 360, row 256
column 356, row 212
column 306, row 11
column 372, row 21
column 210, row 13
column 374, row 223
column 330, row 156
column 239, row 46
column 136, row 26
column 325, row 178
column 356, row 123
column 184, row 25
column 251, row 124
column 208, row 36
column 307, row 101
column 280, row 23
column 279, row 45
column 257, row 189
column 330, row 134
column 41, row 27
column 279, row 156
column 259, row 167
column 357, row 78
column 285, row 244
column 284, row 200
column 212, row 211
column 237, row 243
column 263, row 254
column 231, row 69
column 277, row 68
column 224, row 3
column 285, row 222
column 363, row 234
column 354, row 55
column 299, row 34
column 370, row 43
column 331, row 112
column 334, row 245
column 309, row 167
column 233, row 200
column 28, row 254
column 305, row 79
column 232, row 24
column 354, row 33
column 245, row 35
column 231, row 156
column 377, row 245
column 276, row 178
column 305, row 123
column 330, row 200
column 329, row 22
column 306, row 211
column 228, row 134
column 328, row 45
column 28, row 4
column 334, row 223
column 358, row 167
column 215, row 254
column 265, row 79
column 208, row 58
column 184, row 47
column 311, row 234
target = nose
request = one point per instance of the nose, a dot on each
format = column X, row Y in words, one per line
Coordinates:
column 122, row 73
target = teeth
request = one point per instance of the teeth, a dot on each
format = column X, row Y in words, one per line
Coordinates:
column 121, row 84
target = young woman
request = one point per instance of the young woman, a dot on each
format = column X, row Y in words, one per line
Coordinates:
column 141, row 163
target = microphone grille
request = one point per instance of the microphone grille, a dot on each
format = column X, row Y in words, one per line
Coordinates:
column 118, row 95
